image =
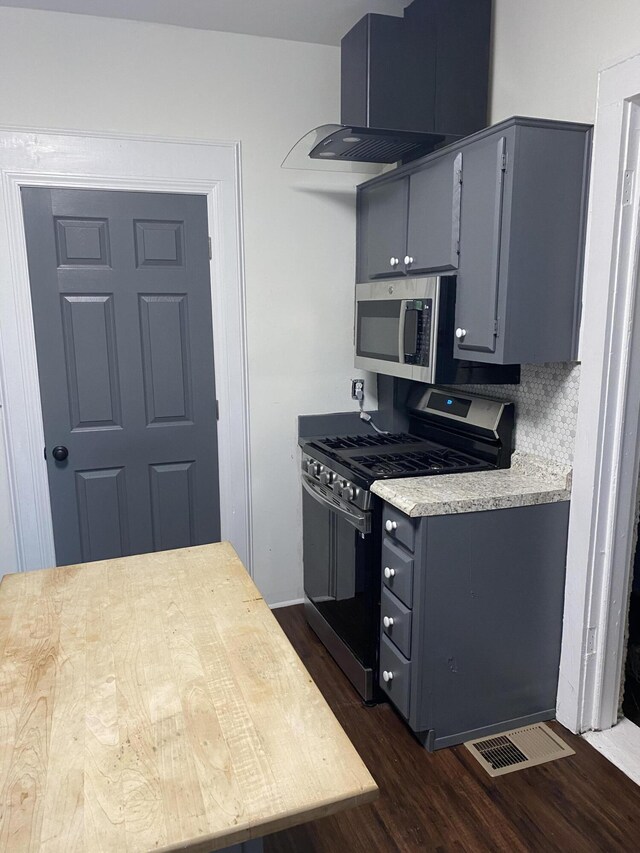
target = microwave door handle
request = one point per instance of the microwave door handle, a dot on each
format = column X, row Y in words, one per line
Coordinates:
column 410, row 343
column 401, row 330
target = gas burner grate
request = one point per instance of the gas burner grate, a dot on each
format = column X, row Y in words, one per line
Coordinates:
column 354, row 442
column 418, row 463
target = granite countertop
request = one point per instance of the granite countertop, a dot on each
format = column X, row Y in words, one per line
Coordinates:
column 530, row 480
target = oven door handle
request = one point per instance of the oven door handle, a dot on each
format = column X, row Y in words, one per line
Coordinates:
column 361, row 521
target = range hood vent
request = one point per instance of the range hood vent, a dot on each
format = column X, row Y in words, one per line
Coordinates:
column 408, row 85
column 374, row 146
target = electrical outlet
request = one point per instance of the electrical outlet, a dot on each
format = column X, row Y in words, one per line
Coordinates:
column 357, row 389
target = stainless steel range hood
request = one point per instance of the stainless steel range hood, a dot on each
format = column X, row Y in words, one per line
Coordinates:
column 408, row 85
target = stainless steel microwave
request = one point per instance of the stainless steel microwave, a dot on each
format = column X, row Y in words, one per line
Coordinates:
column 405, row 327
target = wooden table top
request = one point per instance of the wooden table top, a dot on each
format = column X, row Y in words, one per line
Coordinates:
column 154, row 703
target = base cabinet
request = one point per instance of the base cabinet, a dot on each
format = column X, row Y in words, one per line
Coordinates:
column 478, row 650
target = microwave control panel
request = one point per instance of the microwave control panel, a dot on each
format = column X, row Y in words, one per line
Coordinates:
column 417, row 332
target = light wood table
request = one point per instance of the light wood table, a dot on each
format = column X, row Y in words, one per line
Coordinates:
column 154, row 703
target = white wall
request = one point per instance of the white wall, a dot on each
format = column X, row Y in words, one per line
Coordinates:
column 546, row 59
column 547, row 53
column 78, row 72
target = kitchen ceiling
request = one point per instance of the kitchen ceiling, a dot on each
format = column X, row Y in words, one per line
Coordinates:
column 323, row 22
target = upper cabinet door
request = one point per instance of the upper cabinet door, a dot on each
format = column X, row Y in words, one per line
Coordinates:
column 382, row 230
column 483, row 165
column 434, row 216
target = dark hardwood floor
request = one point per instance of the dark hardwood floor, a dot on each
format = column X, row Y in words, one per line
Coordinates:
column 445, row 801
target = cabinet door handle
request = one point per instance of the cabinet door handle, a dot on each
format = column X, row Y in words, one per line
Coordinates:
column 387, row 621
column 408, row 260
column 387, row 676
column 390, row 526
column 389, row 573
column 460, row 333
column 394, row 262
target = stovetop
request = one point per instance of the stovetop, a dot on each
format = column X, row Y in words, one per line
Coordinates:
column 378, row 457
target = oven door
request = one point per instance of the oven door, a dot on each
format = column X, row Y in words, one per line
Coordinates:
column 341, row 558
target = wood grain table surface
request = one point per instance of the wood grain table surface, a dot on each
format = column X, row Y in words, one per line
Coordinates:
column 154, row 703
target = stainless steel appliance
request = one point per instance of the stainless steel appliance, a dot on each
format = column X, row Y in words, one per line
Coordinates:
column 405, row 327
column 448, row 433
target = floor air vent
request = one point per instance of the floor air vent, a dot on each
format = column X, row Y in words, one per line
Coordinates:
column 510, row 751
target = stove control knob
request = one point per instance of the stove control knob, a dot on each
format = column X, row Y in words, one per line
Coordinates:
column 327, row 477
column 390, row 526
column 387, row 676
column 314, row 468
column 389, row 573
column 388, row 621
column 348, row 492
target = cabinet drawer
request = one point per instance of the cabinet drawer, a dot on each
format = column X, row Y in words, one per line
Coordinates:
column 396, row 622
column 398, row 671
column 398, row 526
column 397, row 572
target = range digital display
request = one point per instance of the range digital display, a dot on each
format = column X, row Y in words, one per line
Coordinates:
column 450, row 404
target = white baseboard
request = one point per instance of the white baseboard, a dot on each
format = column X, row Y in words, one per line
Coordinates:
column 621, row 745
column 286, row 603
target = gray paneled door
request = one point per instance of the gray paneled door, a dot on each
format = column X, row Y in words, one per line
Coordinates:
column 122, row 313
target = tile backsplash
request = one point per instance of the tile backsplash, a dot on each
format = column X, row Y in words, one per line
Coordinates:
column 546, row 408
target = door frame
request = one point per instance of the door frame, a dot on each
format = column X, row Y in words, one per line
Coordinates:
column 68, row 159
column 606, row 463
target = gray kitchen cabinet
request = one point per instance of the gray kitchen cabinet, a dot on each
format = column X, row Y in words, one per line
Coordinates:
column 411, row 226
column 505, row 210
column 480, row 237
column 383, row 213
column 478, row 649
column 433, row 228
column 524, row 203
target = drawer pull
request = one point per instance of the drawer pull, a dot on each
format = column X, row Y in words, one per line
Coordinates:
column 390, row 526
column 389, row 573
column 387, row 676
column 387, row 621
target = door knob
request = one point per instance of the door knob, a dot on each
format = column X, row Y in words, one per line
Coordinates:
column 460, row 333
column 393, row 262
column 388, row 621
column 387, row 676
column 408, row 260
column 60, row 453
column 389, row 573
column 390, row 526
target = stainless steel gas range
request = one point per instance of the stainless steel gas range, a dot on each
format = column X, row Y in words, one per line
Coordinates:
column 449, row 433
